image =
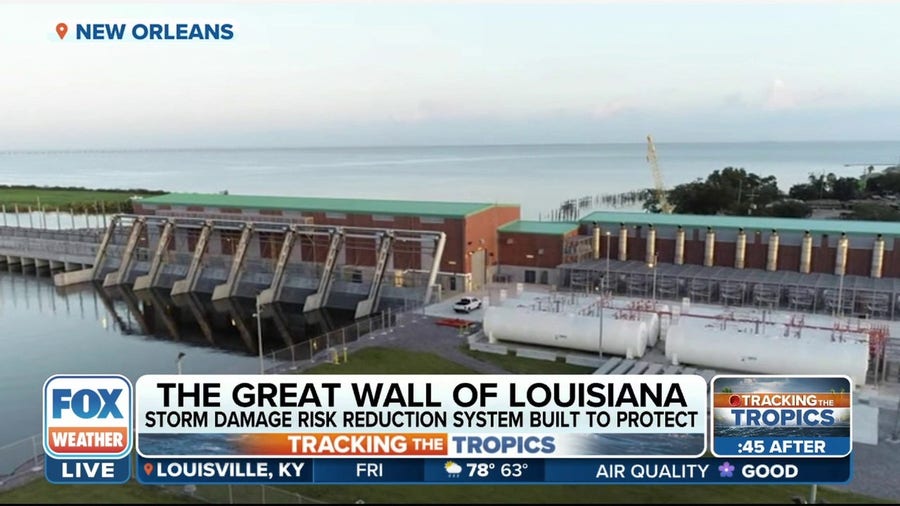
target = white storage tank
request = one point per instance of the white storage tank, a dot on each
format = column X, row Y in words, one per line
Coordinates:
column 653, row 326
column 750, row 352
column 575, row 332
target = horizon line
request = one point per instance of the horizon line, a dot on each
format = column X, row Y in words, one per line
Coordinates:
column 4, row 151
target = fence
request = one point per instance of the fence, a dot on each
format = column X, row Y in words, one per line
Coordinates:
column 23, row 461
column 240, row 494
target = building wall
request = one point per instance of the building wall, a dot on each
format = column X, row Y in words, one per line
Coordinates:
column 480, row 232
column 859, row 256
column 546, row 250
column 463, row 235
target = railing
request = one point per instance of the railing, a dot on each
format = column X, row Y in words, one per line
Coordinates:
column 23, row 461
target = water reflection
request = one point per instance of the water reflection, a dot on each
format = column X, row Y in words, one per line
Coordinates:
column 46, row 330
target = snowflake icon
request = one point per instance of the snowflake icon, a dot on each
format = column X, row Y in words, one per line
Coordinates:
column 726, row 470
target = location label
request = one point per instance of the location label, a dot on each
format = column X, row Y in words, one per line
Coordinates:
column 61, row 30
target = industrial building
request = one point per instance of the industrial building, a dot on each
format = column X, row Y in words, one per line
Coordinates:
column 296, row 248
column 836, row 266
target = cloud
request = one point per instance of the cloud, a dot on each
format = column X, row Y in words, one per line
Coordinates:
column 613, row 108
column 780, row 97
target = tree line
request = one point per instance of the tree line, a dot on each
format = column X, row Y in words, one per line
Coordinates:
column 735, row 191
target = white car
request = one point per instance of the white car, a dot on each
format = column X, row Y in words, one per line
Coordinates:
column 467, row 305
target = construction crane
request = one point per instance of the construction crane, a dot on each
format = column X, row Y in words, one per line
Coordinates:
column 659, row 187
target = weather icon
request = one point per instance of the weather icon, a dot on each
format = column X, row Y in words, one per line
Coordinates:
column 453, row 469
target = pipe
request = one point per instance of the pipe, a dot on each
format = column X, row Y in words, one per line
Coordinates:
column 806, row 253
column 740, row 250
column 840, row 257
column 679, row 246
column 877, row 257
column 595, row 244
column 772, row 258
column 709, row 251
column 651, row 244
column 623, row 243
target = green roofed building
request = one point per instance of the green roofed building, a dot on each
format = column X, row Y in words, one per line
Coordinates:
column 471, row 249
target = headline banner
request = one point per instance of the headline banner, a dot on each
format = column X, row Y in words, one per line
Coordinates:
column 421, row 416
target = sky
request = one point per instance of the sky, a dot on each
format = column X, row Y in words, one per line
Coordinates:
column 331, row 74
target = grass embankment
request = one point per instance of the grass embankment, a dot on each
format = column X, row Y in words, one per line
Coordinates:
column 395, row 361
column 70, row 199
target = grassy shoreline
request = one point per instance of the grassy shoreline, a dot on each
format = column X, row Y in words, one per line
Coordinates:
column 70, row 198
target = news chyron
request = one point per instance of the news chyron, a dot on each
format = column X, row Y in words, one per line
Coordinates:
column 88, row 422
column 781, row 416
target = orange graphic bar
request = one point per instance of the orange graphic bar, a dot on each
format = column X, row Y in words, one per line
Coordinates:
column 87, row 439
column 781, row 400
column 338, row 444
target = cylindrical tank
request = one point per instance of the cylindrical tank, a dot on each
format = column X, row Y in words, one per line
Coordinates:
column 595, row 244
column 877, row 257
column 806, row 253
column 840, row 256
column 758, row 353
column 653, row 327
column 620, row 337
column 651, row 244
column 665, row 319
column 740, row 250
column 709, row 249
column 623, row 243
column 772, row 257
column 679, row 246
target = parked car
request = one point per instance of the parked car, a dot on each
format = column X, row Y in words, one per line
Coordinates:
column 467, row 305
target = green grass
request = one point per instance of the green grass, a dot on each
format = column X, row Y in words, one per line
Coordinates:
column 41, row 491
column 520, row 365
column 69, row 199
column 391, row 361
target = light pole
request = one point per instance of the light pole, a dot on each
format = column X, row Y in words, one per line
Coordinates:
column 178, row 362
column 606, row 278
column 258, row 315
column 653, row 266
column 600, row 339
column 840, row 300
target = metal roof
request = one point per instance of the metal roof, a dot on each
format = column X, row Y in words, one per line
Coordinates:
column 748, row 222
column 341, row 205
column 539, row 227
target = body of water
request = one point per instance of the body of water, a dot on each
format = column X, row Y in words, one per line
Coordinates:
column 538, row 177
column 45, row 331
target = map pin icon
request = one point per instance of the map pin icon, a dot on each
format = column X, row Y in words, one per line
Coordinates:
column 148, row 468
column 61, row 30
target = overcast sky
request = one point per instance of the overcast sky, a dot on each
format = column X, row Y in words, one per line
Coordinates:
column 319, row 74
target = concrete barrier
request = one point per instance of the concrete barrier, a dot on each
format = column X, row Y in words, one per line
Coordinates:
column 536, row 354
column 72, row 278
column 583, row 361
column 489, row 348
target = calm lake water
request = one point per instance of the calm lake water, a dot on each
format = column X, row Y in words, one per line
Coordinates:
column 537, row 177
column 86, row 329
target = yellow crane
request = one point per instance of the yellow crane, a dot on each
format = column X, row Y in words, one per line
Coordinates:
column 659, row 187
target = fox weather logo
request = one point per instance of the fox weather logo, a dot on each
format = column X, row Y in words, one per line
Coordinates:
column 87, row 416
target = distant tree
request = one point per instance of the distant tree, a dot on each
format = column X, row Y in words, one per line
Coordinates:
column 727, row 191
column 803, row 191
column 789, row 208
column 845, row 188
column 874, row 212
column 885, row 182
